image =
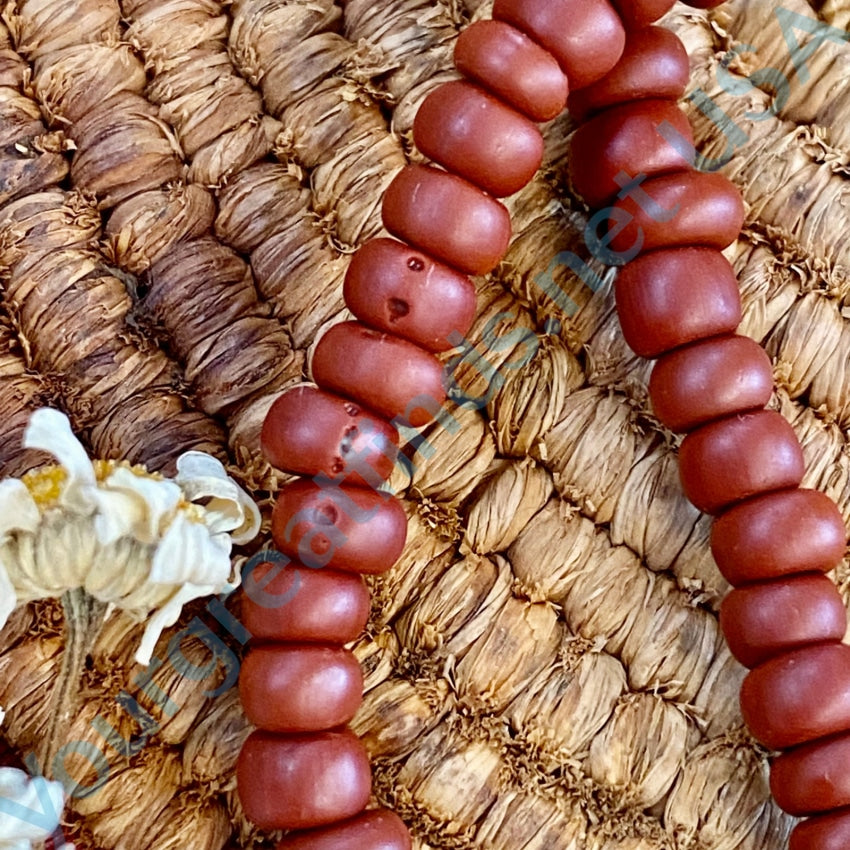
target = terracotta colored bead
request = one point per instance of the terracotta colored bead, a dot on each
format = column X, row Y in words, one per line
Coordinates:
column 345, row 528
column 509, row 64
column 763, row 620
column 666, row 299
column 290, row 687
column 710, row 379
column 813, row 778
column 297, row 603
column 686, row 208
column 750, row 542
column 311, row 432
column 613, row 148
column 471, row 133
column 395, row 288
column 639, row 13
column 447, row 217
column 585, row 36
column 302, row 781
column 375, row 830
column 799, row 697
column 392, row 376
column 654, row 64
column 704, row 4
column 738, row 457
column 827, row 832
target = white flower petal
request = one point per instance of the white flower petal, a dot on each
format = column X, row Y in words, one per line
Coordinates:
column 18, row 510
column 30, row 809
column 137, row 504
column 8, row 600
column 187, row 553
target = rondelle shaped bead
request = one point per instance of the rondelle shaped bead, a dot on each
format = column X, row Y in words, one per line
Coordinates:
column 380, row 829
column 617, row 145
column 290, row 687
column 710, row 379
column 346, row 528
column 448, row 218
column 295, row 603
column 686, row 208
column 395, row 288
column 473, row 134
column 825, row 832
column 799, row 697
column 513, row 67
column 639, row 13
column 763, row 620
column 738, row 457
column 666, row 299
column 302, row 781
column 311, row 432
column 654, row 64
column 392, row 376
column 750, row 542
column 813, row 778
column 585, row 36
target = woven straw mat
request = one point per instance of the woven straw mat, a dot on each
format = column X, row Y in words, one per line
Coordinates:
column 183, row 183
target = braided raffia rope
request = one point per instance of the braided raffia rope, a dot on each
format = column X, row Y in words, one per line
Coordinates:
column 544, row 665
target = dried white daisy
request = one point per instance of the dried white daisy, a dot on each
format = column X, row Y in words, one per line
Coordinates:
column 30, row 809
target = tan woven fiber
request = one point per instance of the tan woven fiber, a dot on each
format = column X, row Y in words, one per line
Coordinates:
column 182, row 183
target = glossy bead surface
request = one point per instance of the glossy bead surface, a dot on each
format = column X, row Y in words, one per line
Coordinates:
column 300, row 687
column 799, row 697
column 392, row 376
column 639, row 13
column 310, row 432
column 293, row 603
column 374, row 830
column 625, row 141
column 654, row 64
column 512, row 66
column 826, row 832
column 670, row 298
column 448, row 218
column 585, row 36
column 347, row 528
column 738, row 457
column 395, row 288
column 302, row 781
column 710, row 379
column 812, row 778
column 763, row 620
column 750, row 542
column 473, row 134
column 686, row 208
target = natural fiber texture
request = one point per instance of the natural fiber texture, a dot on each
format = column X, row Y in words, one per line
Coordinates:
column 182, row 183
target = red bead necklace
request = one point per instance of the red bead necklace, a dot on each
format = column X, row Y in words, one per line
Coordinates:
column 678, row 301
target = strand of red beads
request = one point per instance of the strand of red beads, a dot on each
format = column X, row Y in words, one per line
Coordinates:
column 678, row 301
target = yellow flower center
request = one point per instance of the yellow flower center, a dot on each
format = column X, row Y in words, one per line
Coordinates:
column 45, row 484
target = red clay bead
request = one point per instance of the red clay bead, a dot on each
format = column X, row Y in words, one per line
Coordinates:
column 302, row 781
column 310, row 432
column 375, row 830
column 761, row 621
column 395, row 288
column 390, row 375
column 345, row 528
column 447, row 217
column 473, row 134
column 738, row 457
column 686, row 208
column 703, row 4
column 508, row 63
column 585, row 36
column 813, row 778
column 296, row 603
column 710, row 379
column 750, row 542
column 639, row 13
column 654, row 64
column 614, row 147
column 666, row 299
column 799, row 697
column 290, row 687
column 827, row 832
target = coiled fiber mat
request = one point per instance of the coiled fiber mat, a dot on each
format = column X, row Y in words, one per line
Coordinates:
column 182, row 185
